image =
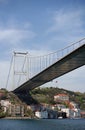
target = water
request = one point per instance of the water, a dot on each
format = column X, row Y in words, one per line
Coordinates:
column 45, row 124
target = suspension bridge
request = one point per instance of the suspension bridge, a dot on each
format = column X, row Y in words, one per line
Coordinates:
column 38, row 70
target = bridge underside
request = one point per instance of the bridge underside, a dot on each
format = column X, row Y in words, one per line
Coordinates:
column 68, row 63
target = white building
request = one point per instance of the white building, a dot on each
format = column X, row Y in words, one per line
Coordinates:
column 41, row 114
column 76, row 109
column 74, row 105
column 77, row 112
column 5, row 104
column 17, row 110
column 71, row 113
column 60, row 106
column 61, row 97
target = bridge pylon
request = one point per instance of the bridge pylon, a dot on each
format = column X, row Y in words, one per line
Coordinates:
column 20, row 68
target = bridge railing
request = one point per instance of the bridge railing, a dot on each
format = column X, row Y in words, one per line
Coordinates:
column 39, row 63
column 65, row 51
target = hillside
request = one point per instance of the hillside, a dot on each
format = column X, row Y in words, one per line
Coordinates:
column 46, row 95
column 4, row 94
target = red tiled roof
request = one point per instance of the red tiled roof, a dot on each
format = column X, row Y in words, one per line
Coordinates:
column 61, row 95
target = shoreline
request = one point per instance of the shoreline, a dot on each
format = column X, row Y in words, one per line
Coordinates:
column 17, row 118
column 36, row 118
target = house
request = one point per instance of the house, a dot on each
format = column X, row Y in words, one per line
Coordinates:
column 5, row 105
column 82, row 114
column 1, row 94
column 41, row 114
column 73, row 105
column 12, row 109
column 60, row 106
column 71, row 113
column 77, row 113
column 61, row 97
column 76, row 109
column 17, row 110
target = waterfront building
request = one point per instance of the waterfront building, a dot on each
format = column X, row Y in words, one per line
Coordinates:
column 71, row 113
column 75, row 109
column 82, row 114
column 41, row 114
column 12, row 109
column 73, row 105
column 52, row 114
column 77, row 112
column 61, row 115
column 60, row 106
column 17, row 110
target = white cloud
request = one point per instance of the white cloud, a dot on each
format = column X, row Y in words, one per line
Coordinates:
column 15, row 33
column 3, row 73
column 66, row 27
column 67, row 21
column 14, row 36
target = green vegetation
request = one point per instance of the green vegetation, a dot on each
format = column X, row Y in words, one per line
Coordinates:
column 29, row 113
column 10, row 96
column 46, row 95
column 2, row 114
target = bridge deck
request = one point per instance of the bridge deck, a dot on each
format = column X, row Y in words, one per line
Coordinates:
column 68, row 63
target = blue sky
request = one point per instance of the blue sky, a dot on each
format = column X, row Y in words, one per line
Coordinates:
column 41, row 27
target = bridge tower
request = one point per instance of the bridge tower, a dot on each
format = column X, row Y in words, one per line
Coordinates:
column 20, row 68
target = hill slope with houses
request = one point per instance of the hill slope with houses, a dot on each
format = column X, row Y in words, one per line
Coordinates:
column 42, row 101
column 47, row 94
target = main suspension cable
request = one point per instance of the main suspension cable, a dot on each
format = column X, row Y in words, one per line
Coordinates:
column 9, row 72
